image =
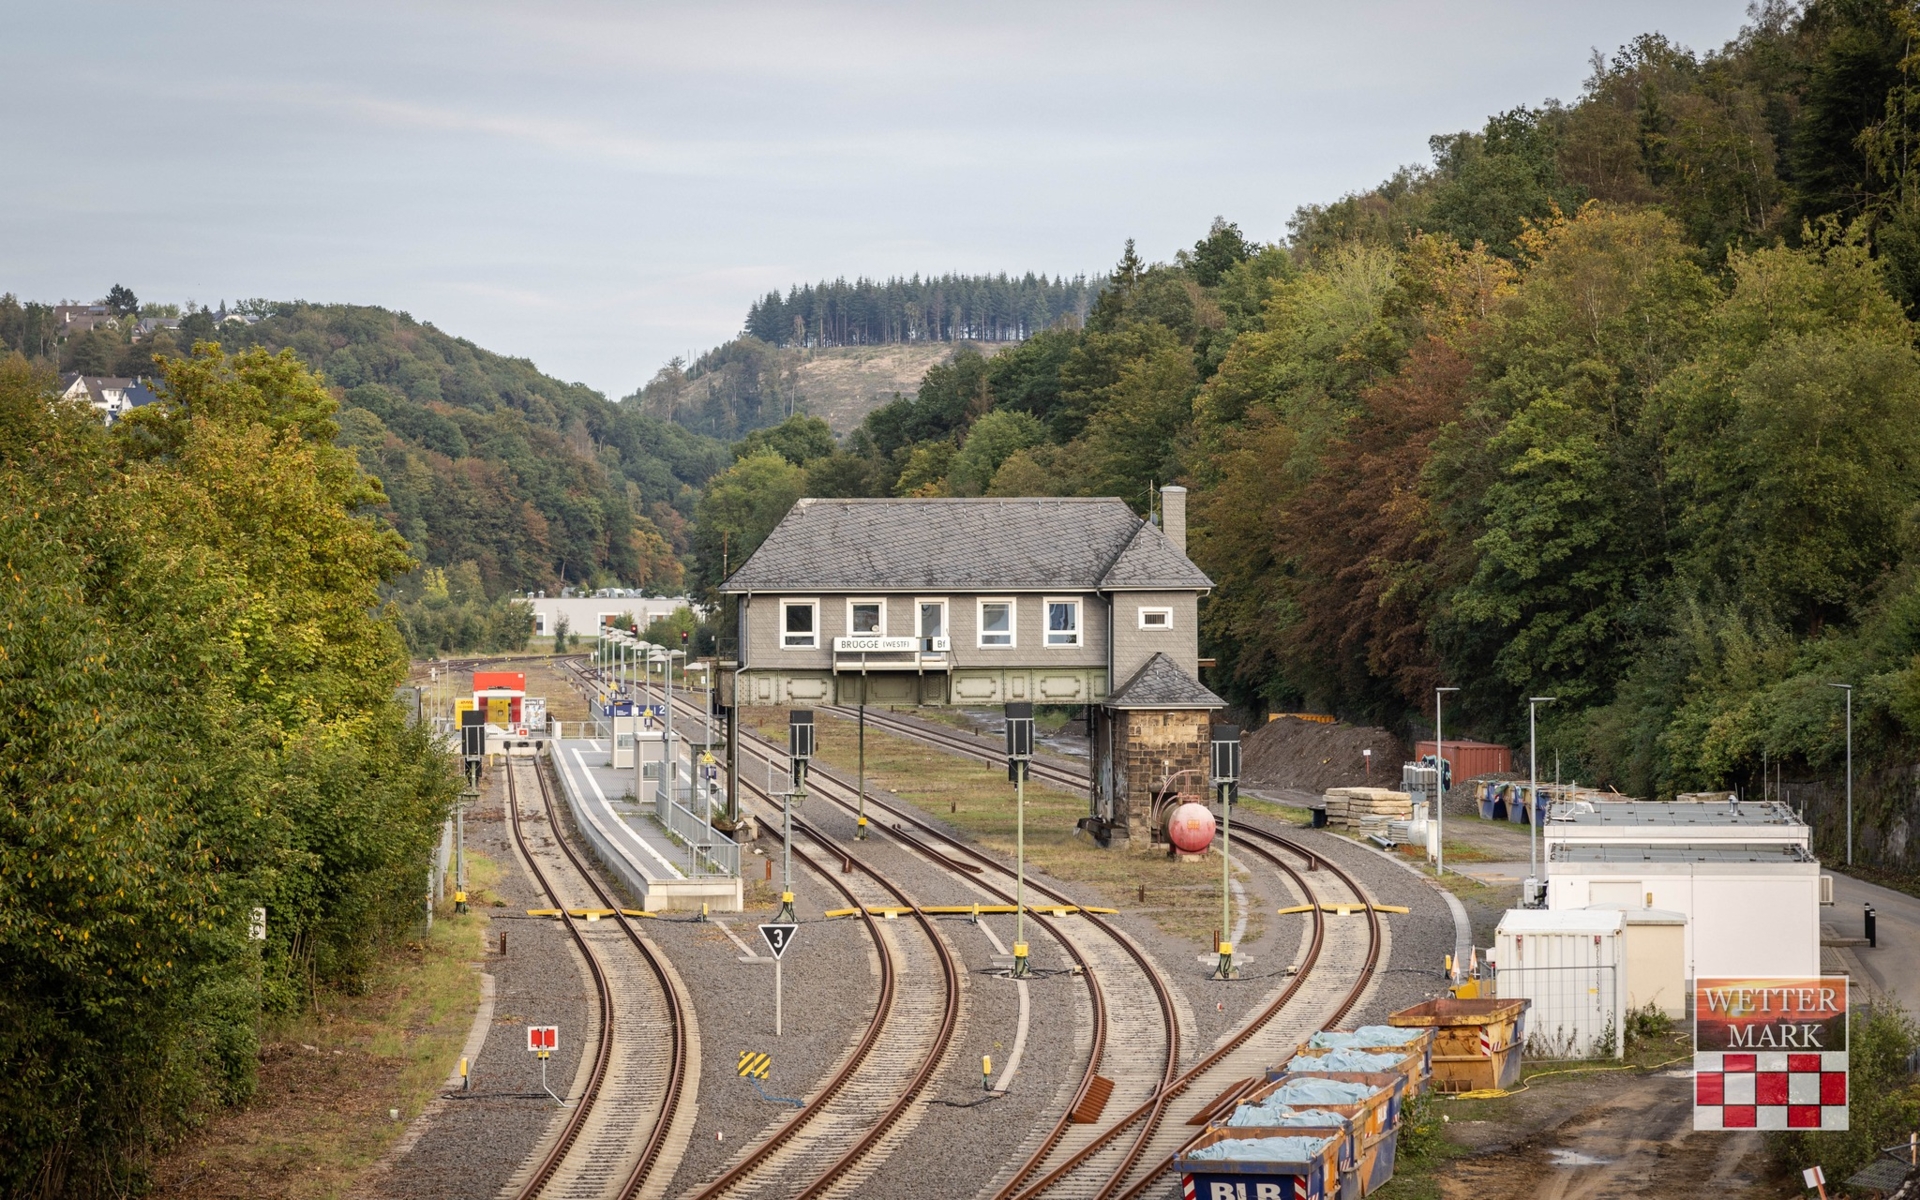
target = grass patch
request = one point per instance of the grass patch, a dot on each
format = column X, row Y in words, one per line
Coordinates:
column 1182, row 898
column 330, row 1076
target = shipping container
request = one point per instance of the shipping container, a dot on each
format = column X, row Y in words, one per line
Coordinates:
column 1571, row 965
column 1470, row 759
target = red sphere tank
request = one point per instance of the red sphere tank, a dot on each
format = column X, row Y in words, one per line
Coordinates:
column 1190, row 828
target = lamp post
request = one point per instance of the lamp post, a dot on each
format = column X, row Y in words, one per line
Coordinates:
column 799, row 753
column 1440, row 783
column 1226, row 778
column 1533, row 794
column 1848, row 689
column 1019, row 753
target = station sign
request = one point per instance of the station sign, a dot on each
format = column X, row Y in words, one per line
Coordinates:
column 875, row 645
column 1770, row 1053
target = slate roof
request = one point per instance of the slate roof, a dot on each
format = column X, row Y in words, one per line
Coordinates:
column 980, row 544
column 1161, row 684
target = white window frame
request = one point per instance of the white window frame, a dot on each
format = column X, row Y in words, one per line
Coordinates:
column 539, row 624
column 879, row 600
column 781, row 629
column 1046, row 623
column 980, row 623
column 1163, row 610
column 946, row 620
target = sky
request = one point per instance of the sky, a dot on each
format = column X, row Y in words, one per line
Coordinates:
column 600, row 187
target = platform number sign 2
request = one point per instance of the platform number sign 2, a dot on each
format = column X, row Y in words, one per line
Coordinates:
column 779, row 937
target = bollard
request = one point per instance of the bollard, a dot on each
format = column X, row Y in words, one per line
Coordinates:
column 503, row 943
column 1143, row 893
column 986, row 1072
column 769, row 870
column 1873, row 941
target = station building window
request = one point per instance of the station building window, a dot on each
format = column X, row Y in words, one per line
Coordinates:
column 932, row 626
column 996, row 624
column 867, row 618
column 1063, row 622
column 540, row 624
column 1156, row 618
column 799, row 624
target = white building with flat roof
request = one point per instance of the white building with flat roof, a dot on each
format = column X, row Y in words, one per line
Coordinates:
column 1744, row 876
column 586, row 614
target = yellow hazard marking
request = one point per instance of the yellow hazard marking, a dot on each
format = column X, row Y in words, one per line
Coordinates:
column 590, row 912
column 543, row 912
column 755, row 1065
column 1345, row 910
column 637, row 912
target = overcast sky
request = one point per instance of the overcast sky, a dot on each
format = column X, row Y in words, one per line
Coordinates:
column 599, row 187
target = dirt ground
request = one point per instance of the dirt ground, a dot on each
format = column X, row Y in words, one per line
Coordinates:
column 1602, row 1134
column 1291, row 753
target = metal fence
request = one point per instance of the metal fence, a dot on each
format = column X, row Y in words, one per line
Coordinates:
column 709, row 852
column 1576, row 1011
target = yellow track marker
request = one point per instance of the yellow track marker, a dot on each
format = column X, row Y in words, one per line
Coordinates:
column 1344, row 910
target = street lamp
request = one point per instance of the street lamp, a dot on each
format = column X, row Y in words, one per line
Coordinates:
column 1533, row 795
column 1848, row 689
column 1019, row 754
column 1440, row 783
column 1226, row 778
column 799, row 753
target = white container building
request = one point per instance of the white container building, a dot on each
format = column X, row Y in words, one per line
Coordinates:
column 1742, row 875
column 1573, row 966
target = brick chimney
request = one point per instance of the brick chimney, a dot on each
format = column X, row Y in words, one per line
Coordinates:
column 1173, row 515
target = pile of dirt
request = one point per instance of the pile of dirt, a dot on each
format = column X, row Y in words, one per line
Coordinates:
column 1290, row 753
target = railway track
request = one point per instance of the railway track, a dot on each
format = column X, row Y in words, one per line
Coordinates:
column 1099, row 1168
column 1127, row 1156
column 831, row 1142
column 1135, row 1043
column 616, row 1138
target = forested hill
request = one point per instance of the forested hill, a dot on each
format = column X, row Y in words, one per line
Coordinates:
column 946, row 308
column 486, row 460
column 1615, row 401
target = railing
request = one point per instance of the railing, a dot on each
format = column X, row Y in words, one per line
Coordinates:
column 709, row 851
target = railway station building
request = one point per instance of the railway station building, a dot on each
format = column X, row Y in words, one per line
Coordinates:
column 978, row 602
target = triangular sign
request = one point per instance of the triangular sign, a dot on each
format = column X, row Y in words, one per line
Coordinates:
column 779, row 937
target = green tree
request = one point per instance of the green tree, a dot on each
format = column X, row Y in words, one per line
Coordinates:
column 739, row 508
column 993, row 439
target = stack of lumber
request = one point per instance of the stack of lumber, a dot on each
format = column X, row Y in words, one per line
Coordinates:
column 1366, row 810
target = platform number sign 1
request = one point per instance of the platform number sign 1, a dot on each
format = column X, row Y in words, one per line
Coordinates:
column 1770, row 1053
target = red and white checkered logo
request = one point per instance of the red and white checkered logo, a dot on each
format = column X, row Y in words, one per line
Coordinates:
column 1770, row 1090
column 1770, row 1053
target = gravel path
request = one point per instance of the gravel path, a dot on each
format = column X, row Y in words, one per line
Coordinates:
column 474, row 1146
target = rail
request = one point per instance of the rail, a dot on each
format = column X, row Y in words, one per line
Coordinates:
column 675, row 1081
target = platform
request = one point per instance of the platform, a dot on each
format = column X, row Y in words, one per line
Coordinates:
column 664, row 872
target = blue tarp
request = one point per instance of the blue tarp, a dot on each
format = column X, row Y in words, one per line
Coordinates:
column 1346, row 1060
column 1365, row 1037
column 1265, row 1149
column 1298, row 1093
column 1304, row 1116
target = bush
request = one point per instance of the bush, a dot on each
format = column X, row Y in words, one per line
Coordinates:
column 1884, row 1101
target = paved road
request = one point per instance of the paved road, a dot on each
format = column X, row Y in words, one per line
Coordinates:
column 1894, row 966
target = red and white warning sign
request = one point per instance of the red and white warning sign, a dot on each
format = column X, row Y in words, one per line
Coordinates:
column 543, row 1037
column 1770, row 1053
